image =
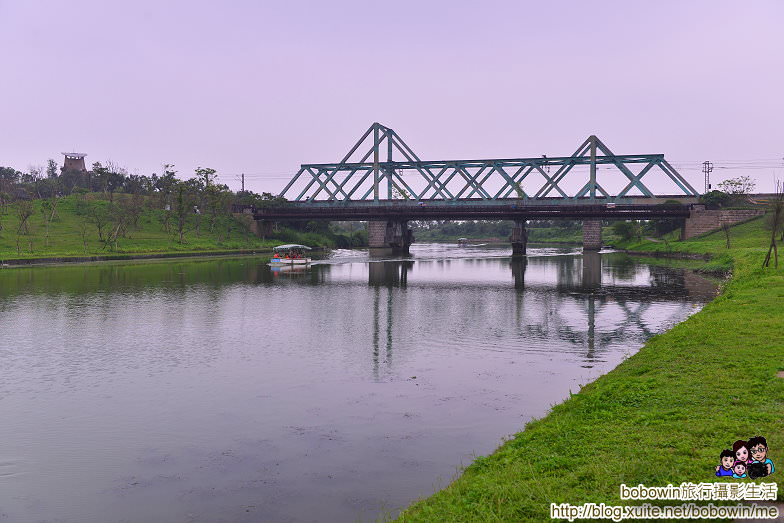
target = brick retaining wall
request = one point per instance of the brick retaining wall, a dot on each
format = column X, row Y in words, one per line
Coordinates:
column 701, row 221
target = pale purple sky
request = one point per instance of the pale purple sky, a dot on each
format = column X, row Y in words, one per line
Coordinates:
column 261, row 87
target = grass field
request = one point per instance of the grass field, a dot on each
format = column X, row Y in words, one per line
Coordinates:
column 662, row 416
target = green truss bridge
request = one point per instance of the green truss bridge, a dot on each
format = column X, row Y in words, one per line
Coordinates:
column 383, row 181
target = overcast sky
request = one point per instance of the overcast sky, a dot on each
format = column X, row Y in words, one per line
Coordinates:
column 261, row 87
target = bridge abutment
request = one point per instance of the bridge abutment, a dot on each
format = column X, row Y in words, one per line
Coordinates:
column 389, row 238
column 592, row 235
column 519, row 238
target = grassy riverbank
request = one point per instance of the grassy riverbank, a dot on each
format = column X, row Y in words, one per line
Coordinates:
column 73, row 233
column 662, row 416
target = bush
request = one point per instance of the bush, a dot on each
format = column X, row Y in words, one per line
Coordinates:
column 716, row 199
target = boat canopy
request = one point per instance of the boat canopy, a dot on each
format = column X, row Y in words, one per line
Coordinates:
column 291, row 247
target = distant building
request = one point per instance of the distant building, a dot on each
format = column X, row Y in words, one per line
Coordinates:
column 74, row 162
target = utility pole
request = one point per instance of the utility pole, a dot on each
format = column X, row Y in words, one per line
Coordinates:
column 707, row 168
column 242, row 177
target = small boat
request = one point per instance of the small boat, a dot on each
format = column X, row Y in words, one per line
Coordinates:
column 462, row 241
column 289, row 254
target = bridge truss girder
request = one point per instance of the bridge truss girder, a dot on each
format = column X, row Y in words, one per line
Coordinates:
column 348, row 180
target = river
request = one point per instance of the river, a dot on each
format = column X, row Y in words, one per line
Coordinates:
column 218, row 390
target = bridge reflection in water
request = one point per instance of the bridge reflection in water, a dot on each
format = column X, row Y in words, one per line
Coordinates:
column 595, row 300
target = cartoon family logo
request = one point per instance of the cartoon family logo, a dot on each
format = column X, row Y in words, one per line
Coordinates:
column 746, row 459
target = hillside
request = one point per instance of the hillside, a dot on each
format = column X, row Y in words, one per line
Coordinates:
column 73, row 231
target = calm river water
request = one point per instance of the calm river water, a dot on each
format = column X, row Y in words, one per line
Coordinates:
column 217, row 390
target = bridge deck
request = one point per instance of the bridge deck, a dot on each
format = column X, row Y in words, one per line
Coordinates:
column 465, row 210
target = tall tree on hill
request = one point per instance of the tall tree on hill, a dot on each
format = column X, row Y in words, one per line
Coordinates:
column 194, row 191
column 200, row 185
column 113, row 179
column 98, row 176
column 165, row 184
column 206, row 175
column 51, row 168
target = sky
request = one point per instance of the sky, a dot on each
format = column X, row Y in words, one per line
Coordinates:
column 261, row 87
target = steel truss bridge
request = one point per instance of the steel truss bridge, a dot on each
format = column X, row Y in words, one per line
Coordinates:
column 363, row 186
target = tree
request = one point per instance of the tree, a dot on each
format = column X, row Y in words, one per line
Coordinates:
column 83, row 233
column 24, row 209
column 737, row 186
column 98, row 214
column 82, row 209
column 135, row 184
column 218, row 199
column 181, row 210
column 165, row 184
column 205, row 178
column 49, row 212
column 118, row 218
column 725, row 226
column 206, row 175
column 776, row 223
column 47, row 187
column 51, row 168
column 132, row 206
column 193, row 189
column 8, row 178
column 113, row 179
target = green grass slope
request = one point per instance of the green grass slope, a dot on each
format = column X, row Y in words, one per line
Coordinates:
column 65, row 235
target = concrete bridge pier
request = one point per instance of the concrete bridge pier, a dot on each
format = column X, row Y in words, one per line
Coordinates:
column 592, row 235
column 519, row 238
column 389, row 238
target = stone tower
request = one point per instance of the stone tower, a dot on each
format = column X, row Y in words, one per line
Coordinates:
column 74, row 162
